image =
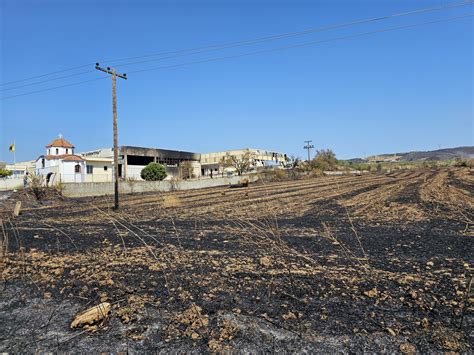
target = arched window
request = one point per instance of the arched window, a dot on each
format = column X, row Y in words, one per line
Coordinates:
column 77, row 169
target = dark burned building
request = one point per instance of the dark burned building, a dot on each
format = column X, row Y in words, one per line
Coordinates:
column 133, row 159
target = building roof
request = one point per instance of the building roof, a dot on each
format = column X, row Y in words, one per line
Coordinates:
column 105, row 160
column 60, row 142
column 65, row 157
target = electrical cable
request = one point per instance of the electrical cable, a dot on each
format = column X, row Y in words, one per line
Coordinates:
column 238, row 43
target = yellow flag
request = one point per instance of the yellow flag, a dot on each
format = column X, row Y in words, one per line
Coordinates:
column 12, row 148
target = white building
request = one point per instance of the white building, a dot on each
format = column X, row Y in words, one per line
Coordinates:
column 19, row 169
column 258, row 158
column 59, row 164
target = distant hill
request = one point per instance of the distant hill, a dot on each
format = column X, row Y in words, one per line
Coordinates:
column 439, row 154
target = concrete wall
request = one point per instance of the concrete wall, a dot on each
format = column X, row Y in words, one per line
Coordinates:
column 11, row 184
column 126, row 187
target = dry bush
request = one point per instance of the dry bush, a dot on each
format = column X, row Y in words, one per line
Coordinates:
column 174, row 183
column 274, row 175
column 170, row 201
column 466, row 163
column 36, row 184
column 316, row 173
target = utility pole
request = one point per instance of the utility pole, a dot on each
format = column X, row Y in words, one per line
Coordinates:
column 114, row 75
column 308, row 147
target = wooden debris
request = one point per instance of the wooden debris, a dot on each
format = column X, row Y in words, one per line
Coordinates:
column 371, row 293
column 91, row 315
column 16, row 210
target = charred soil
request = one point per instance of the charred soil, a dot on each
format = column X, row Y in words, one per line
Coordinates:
column 331, row 264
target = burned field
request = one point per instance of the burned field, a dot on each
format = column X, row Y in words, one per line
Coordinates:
column 346, row 264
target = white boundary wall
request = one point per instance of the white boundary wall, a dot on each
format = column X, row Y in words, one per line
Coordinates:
column 127, row 187
column 11, row 184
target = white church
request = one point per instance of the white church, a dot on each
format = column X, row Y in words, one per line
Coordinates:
column 60, row 164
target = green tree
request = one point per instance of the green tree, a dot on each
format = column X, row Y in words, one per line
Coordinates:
column 5, row 173
column 325, row 159
column 241, row 163
column 153, row 172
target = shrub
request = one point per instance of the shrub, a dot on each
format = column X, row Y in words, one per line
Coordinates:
column 325, row 159
column 5, row 173
column 275, row 175
column 153, row 172
column 469, row 163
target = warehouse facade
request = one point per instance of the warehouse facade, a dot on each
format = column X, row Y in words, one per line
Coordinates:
column 133, row 159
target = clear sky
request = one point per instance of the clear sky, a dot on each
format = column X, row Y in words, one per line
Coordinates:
column 403, row 90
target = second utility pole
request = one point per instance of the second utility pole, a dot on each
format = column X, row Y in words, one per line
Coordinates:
column 114, row 110
column 308, row 146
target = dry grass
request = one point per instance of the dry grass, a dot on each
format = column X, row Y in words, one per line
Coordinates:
column 170, row 201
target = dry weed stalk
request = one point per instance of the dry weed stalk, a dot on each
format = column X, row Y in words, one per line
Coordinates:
column 3, row 243
column 329, row 235
column 265, row 234
column 120, row 219
column 366, row 259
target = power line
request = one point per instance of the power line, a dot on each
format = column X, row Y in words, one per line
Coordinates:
column 47, row 80
column 287, row 35
column 258, row 52
column 197, row 50
column 47, row 74
column 303, row 44
column 51, row 88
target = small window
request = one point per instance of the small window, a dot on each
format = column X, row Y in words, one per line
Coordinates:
column 77, row 168
column 105, row 168
column 67, row 151
column 57, row 151
column 89, row 169
column 42, row 163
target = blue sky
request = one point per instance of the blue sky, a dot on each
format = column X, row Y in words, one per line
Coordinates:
column 410, row 89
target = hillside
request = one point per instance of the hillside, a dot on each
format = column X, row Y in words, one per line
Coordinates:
column 439, row 154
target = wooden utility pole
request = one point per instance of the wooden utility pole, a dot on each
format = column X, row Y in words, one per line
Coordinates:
column 308, row 146
column 114, row 75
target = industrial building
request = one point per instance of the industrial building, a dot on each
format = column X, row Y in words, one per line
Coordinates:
column 133, row 159
column 214, row 163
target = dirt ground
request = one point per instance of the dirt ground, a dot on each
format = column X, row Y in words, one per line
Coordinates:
column 378, row 263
